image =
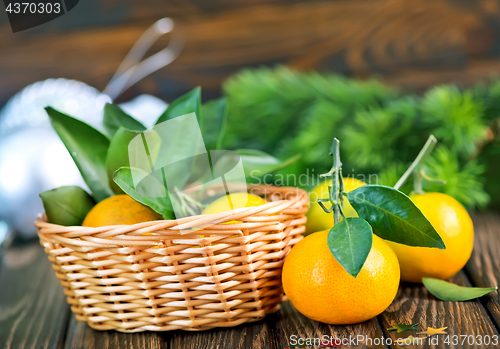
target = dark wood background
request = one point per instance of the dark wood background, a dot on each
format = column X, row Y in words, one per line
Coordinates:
column 409, row 43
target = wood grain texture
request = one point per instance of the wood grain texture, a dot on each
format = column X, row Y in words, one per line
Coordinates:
column 33, row 308
column 291, row 322
column 34, row 313
column 414, row 304
column 272, row 333
column 411, row 43
column 483, row 267
column 259, row 335
column 80, row 335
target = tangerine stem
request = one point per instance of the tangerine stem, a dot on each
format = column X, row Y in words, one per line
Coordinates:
column 417, row 164
column 417, row 184
column 336, row 189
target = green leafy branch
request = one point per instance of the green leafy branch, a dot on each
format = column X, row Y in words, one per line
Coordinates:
column 103, row 158
column 382, row 129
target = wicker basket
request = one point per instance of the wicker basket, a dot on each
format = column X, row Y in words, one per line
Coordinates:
column 120, row 278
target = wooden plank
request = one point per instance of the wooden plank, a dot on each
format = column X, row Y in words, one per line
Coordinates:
column 292, row 325
column 483, row 267
column 274, row 332
column 81, row 335
column 34, row 314
column 254, row 335
column 414, row 304
column 258, row 335
column 33, row 308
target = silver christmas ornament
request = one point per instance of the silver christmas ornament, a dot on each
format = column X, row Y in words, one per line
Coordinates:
column 33, row 158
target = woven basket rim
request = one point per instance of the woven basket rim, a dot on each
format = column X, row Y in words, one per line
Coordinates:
column 185, row 223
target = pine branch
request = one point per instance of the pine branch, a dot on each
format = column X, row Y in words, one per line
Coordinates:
column 285, row 112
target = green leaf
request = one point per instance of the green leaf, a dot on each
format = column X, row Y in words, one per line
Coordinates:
column 394, row 217
column 257, row 163
column 213, row 122
column 145, row 190
column 447, row 291
column 114, row 118
column 184, row 147
column 88, row 148
column 350, row 242
column 402, row 327
column 185, row 104
column 118, row 154
column 66, row 205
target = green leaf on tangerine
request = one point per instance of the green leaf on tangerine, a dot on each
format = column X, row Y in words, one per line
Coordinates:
column 394, row 217
column 350, row 242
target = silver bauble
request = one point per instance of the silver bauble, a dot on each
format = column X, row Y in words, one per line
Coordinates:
column 32, row 157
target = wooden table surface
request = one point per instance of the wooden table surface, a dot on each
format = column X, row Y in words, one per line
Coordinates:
column 34, row 313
